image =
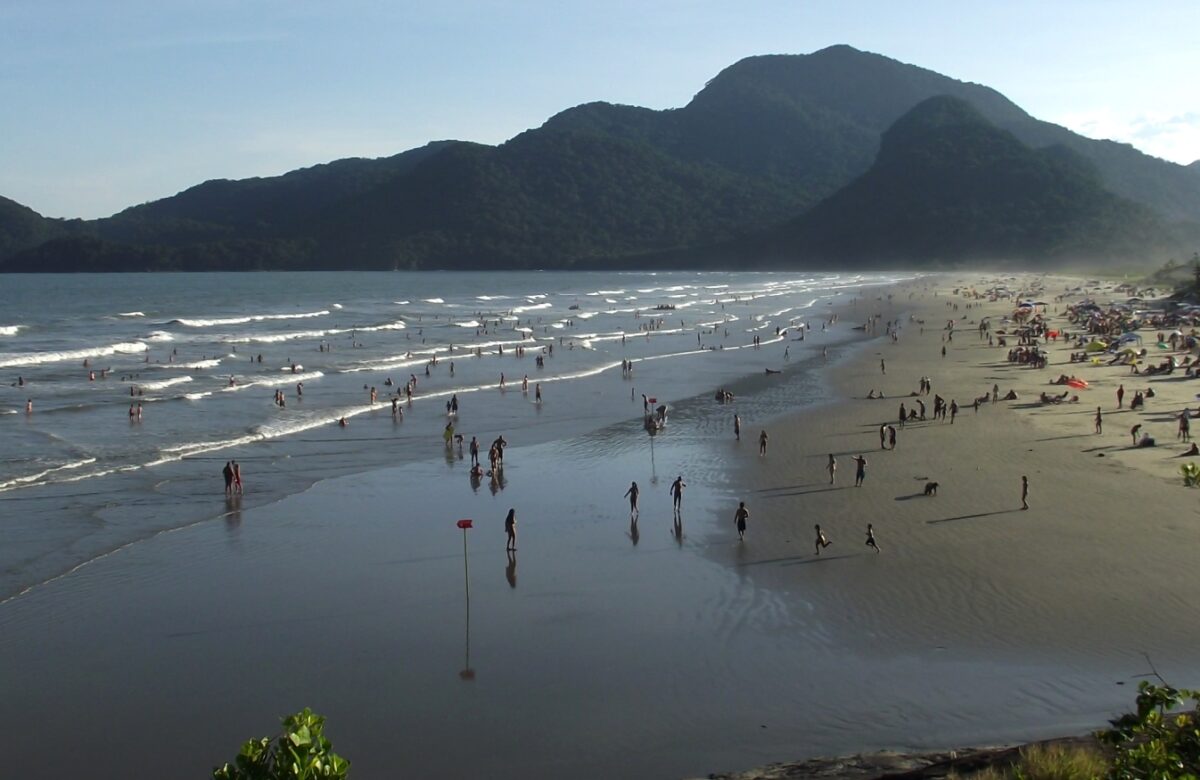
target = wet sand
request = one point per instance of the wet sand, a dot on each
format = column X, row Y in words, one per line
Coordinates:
column 1098, row 572
column 613, row 651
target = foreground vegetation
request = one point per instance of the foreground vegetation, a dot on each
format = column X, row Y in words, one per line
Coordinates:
column 1159, row 740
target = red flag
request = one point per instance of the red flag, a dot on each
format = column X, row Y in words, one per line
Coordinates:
column 464, row 524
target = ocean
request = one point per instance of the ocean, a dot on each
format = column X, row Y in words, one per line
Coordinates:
column 205, row 354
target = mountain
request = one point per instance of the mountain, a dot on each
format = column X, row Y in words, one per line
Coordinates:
column 950, row 187
column 767, row 139
column 22, row 227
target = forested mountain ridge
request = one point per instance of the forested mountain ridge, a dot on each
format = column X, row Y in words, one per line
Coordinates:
column 767, row 139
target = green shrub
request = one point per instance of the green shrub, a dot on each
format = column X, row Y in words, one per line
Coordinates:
column 301, row 752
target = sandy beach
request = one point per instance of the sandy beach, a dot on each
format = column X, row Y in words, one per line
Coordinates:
column 1099, row 570
column 662, row 648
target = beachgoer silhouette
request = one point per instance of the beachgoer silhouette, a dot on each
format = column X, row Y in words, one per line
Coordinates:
column 510, row 530
column 632, row 495
column 762, row 443
column 871, row 537
column 237, row 477
column 831, row 467
column 739, row 519
column 860, row 470
column 737, row 428
column 1024, row 492
column 677, row 492
column 821, row 541
column 227, row 472
column 1099, row 421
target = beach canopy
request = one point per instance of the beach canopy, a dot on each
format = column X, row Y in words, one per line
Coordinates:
column 1129, row 338
column 1096, row 346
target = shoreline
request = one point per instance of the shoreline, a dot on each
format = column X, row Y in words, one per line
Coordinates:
column 1073, row 542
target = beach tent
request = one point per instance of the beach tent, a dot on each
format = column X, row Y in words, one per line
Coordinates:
column 1096, row 346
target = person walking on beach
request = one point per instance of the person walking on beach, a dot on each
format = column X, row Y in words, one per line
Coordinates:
column 677, row 492
column 510, row 530
column 891, row 437
column 1120, row 395
column 1099, row 421
column 903, row 414
column 882, row 366
column 871, row 538
column 860, row 470
column 1185, row 427
column 762, row 443
column 474, row 451
column 739, row 519
column 1134, row 432
column 953, row 411
column 883, row 437
column 831, row 467
column 237, row 477
column 537, row 393
column 227, row 472
column 737, row 428
column 1024, row 492
column 821, row 542
column 632, row 495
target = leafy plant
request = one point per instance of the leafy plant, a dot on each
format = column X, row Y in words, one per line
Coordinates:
column 301, row 752
column 1158, row 741
column 1191, row 474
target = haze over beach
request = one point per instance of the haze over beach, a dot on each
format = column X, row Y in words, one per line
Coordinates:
column 626, row 392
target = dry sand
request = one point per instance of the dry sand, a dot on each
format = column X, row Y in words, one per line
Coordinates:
column 1102, row 568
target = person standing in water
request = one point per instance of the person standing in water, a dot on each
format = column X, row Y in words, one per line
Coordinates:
column 677, row 493
column 510, row 530
column 537, row 393
column 737, row 428
column 1024, row 492
column 237, row 477
column 739, row 519
column 831, row 467
column 871, row 538
column 227, row 473
column 632, row 495
column 821, row 541
column 474, row 451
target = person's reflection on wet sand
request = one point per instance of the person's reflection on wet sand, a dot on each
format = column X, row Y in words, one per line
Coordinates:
column 233, row 512
column 677, row 529
column 510, row 571
column 633, row 531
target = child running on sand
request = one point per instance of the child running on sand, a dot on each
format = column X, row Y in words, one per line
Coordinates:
column 871, row 538
column 821, row 541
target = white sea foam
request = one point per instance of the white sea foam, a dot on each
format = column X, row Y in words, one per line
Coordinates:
column 433, row 300
column 468, row 324
column 531, row 307
column 289, row 379
column 195, row 364
column 132, row 314
column 165, row 383
column 41, row 475
column 160, row 335
column 208, row 323
column 9, row 330
column 12, row 360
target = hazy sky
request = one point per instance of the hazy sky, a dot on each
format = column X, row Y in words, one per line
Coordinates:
column 108, row 103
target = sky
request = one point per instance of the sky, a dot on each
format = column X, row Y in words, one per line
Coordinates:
column 105, row 104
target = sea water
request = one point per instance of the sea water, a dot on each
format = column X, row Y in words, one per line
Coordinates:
column 204, row 355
